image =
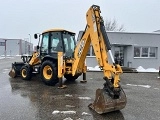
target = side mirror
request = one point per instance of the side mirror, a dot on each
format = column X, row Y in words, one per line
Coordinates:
column 35, row 36
column 37, row 47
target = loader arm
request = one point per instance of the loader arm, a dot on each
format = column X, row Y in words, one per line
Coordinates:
column 95, row 34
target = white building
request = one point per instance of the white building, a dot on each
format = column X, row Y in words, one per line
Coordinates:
column 132, row 49
column 12, row 47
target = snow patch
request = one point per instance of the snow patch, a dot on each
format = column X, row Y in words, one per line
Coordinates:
column 63, row 112
column 68, row 95
column 68, row 118
column 68, row 112
column 25, row 55
column 141, row 69
column 72, row 119
column 156, row 88
column 18, row 55
column 79, row 119
column 96, row 68
column 145, row 86
column 55, row 112
column 84, row 98
column 70, row 106
column 84, row 113
column 6, row 57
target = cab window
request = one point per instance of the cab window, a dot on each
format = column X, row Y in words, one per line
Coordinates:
column 69, row 43
column 44, row 43
column 56, row 42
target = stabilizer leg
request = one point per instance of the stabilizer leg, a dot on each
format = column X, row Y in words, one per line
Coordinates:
column 61, row 69
column 84, row 74
column 84, row 78
column 61, row 86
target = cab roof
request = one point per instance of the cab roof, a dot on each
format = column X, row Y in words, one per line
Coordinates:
column 57, row 30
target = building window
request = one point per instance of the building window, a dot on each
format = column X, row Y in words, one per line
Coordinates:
column 145, row 52
column 137, row 51
column 152, row 52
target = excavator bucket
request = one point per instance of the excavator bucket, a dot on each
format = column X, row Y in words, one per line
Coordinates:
column 103, row 103
column 15, row 70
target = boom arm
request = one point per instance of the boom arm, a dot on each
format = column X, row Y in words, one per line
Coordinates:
column 95, row 33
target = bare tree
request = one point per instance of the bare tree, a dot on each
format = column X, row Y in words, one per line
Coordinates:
column 112, row 25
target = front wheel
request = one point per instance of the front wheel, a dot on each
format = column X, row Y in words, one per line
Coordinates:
column 49, row 73
column 26, row 73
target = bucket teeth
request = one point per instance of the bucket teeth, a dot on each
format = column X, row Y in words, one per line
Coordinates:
column 103, row 103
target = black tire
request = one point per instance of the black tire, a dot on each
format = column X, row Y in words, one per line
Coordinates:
column 26, row 73
column 49, row 73
column 69, row 77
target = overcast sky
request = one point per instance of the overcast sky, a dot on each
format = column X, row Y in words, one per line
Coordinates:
column 18, row 18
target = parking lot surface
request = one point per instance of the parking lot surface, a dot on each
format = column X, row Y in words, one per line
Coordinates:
column 32, row 100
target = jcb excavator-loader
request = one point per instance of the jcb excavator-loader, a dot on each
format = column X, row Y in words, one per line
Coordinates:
column 58, row 56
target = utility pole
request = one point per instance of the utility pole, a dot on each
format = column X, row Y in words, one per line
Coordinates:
column 5, row 48
column 29, row 37
column 29, row 46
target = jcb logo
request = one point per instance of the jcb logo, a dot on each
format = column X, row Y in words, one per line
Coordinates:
column 81, row 46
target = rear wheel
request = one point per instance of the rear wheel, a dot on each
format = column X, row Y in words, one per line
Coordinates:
column 26, row 73
column 49, row 73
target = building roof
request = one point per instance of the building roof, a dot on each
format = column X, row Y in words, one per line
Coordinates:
column 153, row 33
column 55, row 30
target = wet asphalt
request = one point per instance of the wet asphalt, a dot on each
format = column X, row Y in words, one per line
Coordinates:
column 32, row 100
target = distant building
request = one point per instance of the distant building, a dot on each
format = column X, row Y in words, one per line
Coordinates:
column 12, row 47
column 132, row 50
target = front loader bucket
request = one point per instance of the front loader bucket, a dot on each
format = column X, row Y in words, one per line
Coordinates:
column 16, row 67
column 12, row 73
column 103, row 103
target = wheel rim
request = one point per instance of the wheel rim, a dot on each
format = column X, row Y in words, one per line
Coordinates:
column 47, row 72
column 24, row 73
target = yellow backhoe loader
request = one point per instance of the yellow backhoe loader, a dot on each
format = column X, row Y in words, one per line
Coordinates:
column 59, row 56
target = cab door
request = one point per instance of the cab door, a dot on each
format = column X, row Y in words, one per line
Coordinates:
column 44, row 49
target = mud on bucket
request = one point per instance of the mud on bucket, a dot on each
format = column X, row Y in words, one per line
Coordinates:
column 103, row 103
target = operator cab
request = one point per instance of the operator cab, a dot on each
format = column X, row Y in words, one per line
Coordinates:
column 57, row 40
